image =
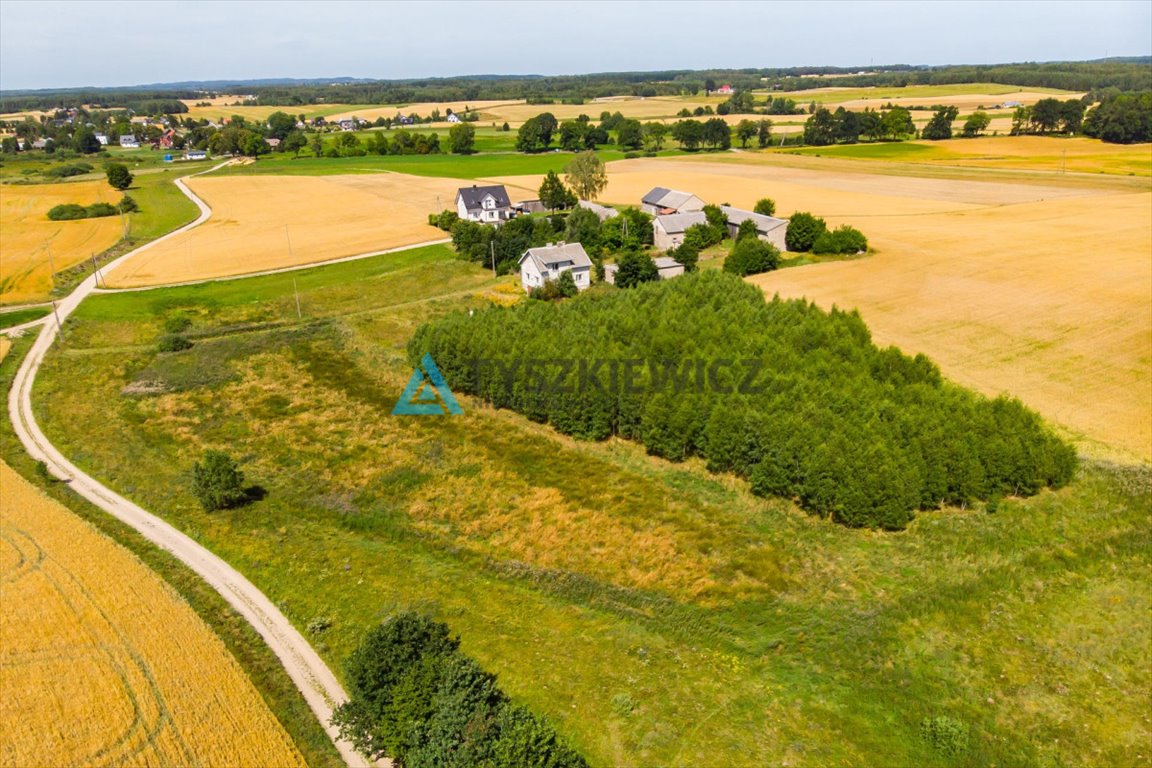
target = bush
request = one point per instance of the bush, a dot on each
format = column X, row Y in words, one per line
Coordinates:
column 65, row 171
column 803, row 229
column 633, row 155
column 417, row 699
column 765, row 206
column 68, row 212
column 218, row 482
column 119, row 177
column 947, row 735
column 128, row 204
column 751, row 256
column 172, row 342
column 177, row 324
column 100, row 210
column 843, row 239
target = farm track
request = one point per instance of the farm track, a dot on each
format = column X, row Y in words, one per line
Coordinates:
column 319, row 686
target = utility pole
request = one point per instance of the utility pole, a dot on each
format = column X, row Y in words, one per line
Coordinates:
column 299, row 314
column 59, row 327
column 96, row 270
column 492, row 243
column 51, row 265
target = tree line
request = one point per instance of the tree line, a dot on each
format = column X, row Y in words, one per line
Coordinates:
column 816, row 412
column 417, row 699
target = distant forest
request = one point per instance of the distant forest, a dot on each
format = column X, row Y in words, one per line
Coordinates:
column 1126, row 74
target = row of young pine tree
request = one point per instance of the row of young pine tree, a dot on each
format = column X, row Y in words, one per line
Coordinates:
column 797, row 400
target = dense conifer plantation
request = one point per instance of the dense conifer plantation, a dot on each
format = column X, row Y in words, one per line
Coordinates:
column 797, row 400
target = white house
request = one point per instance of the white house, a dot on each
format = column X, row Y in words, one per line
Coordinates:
column 539, row 265
column 662, row 201
column 102, row 138
column 485, row 204
column 453, row 117
column 128, row 141
column 668, row 230
column 768, row 228
column 195, row 154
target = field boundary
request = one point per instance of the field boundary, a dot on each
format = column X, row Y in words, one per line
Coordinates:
column 316, row 682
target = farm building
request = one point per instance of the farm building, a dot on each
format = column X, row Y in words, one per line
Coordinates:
column 662, row 201
column 486, row 204
column 453, row 117
column 195, row 154
column 347, row 125
column 529, row 206
column 668, row 230
column 768, row 228
column 668, row 267
column 102, row 138
column 128, row 141
column 724, row 90
column 539, row 265
column 602, row 212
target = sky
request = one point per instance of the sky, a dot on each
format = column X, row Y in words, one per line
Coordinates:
column 51, row 44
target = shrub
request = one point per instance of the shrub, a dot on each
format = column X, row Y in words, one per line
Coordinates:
column 65, row 171
column 177, row 324
column 100, row 210
column 218, row 482
column 843, row 239
column 803, row 229
column 752, row 256
column 128, row 204
column 632, row 155
column 172, row 342
column 947, row 735
column 68, row 212
column 765, row 206
column 119, row 177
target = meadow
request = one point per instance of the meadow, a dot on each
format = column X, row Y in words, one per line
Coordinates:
column 127, row 658
column 696, row 623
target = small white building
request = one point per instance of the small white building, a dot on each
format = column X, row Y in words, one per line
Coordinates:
column 489, row 205
column 768, row 228
column 661, row 201
column 102, row 138
column 195, row 154
column 453, row 117
column 602, row 212
column 128, row 141
column 668, row 230
column 540, row 265
column 668, row 267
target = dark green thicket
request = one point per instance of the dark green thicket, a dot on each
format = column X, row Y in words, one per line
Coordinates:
column 851, row 431
column 417, row 699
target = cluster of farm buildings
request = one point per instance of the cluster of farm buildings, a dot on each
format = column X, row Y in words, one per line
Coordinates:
column 673, row 212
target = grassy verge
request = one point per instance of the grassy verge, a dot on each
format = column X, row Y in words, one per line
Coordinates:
column 249, row 649
column 657, row 613
column 21, row 316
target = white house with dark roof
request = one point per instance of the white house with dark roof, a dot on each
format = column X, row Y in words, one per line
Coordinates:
column 539, row 265
column 661, row 201
column 489, row 205
column 768, row 228
column 668, row 230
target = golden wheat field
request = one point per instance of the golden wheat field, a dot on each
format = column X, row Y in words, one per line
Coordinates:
column 101, row 663
column 1043, row 291
column 26, row 235
column 268, row 222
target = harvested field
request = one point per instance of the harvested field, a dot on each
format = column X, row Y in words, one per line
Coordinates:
column 102, row 663
column 268, row 222
column 26, row 234
column 424, row 108
column 963, row 95
column 1041, row 291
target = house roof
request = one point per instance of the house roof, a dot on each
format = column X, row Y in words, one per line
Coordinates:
column 675, row 223
column 545, row 257
column 655, row 196
column 737, row 216
column 474, row 195
column 667, row 198
column 602, row 211
column 666, row 262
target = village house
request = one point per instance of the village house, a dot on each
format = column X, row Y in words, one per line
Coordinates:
column 661, row 201
column 195, row 154
column 453, row 117
column 540, row 265
column 102, row 138
column 668, row 267
column 724, row 90
column 128, row 141
column 668, row 230
column 489, row 205
column 768, row 228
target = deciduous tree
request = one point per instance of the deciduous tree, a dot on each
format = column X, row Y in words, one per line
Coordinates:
column 586, row 175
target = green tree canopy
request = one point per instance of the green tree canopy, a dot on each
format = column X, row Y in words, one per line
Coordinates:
column 462, row 139
column 118, row 175
column 803, row 229
column 586, row 175
column 218, row 482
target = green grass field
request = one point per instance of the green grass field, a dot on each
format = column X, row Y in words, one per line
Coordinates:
column 21, row 316
column 657, row 613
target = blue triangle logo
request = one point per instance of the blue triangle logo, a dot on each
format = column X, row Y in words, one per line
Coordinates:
column 427, row 393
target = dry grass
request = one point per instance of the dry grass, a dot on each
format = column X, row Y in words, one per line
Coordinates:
column 1041, row 291
column 26, row 234
column 102, row 663
column 325, row 217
